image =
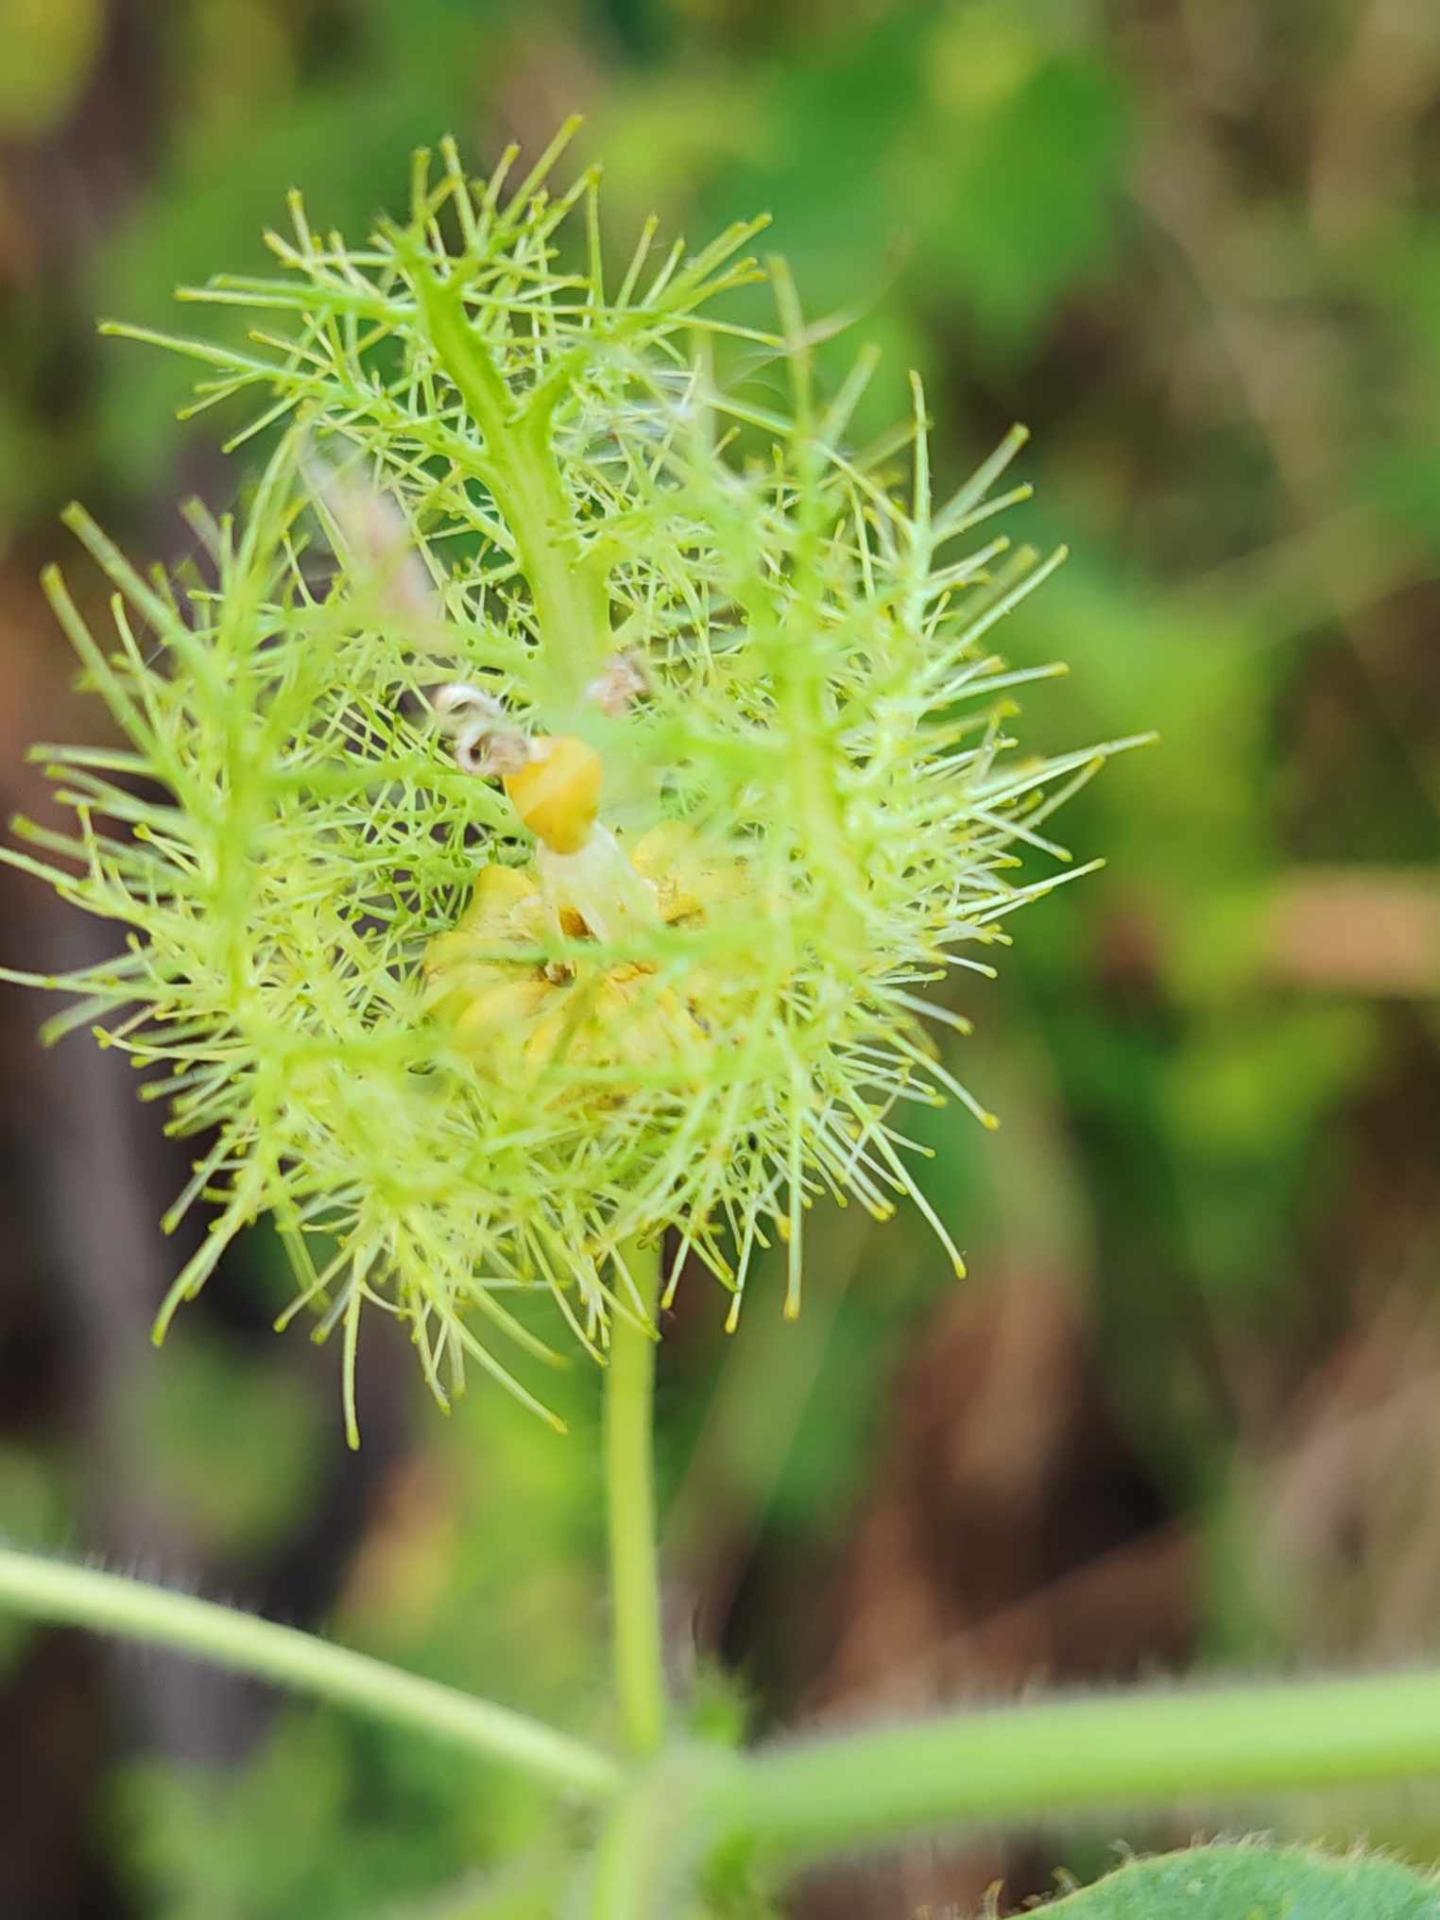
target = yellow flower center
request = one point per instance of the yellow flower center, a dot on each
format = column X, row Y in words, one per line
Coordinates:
column 512, row 1012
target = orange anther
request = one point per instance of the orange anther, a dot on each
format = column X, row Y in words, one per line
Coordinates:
column 557, row 794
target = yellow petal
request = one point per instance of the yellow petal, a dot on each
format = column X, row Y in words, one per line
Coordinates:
column 500, row 895
column 499, row 1018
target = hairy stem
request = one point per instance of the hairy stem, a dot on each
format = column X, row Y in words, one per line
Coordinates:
column 649, row 1855
column 1129, row 1749
column 83, row 1597
column 630, row 1496
column 625, row 1861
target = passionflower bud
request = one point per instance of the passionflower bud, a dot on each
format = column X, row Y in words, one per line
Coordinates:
column 628, row 929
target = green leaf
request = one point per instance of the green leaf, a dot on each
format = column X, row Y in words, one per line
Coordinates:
column 1256, row 1883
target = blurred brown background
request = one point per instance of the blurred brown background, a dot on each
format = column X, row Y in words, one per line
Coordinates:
column 1187, row 1411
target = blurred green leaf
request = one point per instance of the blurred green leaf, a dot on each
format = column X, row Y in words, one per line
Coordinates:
column 217, row 1419
column 50, row 50
column 1026, row 207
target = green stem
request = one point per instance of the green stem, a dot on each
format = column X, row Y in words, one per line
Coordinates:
column 625, row 1859
column 654, row 1834
column 630, row 1497
column 83, row 1597
column 1132, row 1749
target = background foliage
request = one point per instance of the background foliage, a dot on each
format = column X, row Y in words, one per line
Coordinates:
column 1185, row 1411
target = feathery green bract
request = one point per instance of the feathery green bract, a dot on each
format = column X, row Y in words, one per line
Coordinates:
column 557, row 479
